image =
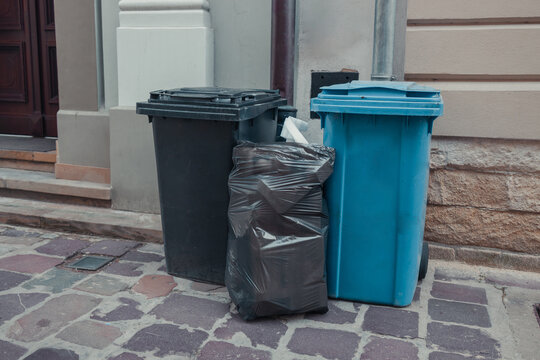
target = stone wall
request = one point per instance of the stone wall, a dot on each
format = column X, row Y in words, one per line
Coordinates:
column 486, row 193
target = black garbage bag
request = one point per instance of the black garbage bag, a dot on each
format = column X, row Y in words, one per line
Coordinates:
column 278, row 228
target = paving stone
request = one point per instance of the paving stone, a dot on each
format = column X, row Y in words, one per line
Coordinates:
column 455, row 338
column 142, row 256
column 29, row 263
column 62, row 247
column 458, row 312
column 126, row 356
column 459, row 292
column 111, row 247
column 18, row 233
column 124, row 268
column 6, row 249
column 153, row 248
column 222, row 350
column 335, row 315
column 31, row 299
column 14, row 304
column 389, row 349
column 311, row 341
column 9, row 279
column 166, row 339
column 51, row 317
column 262, row 331
column 19, row 240
column 193, row 311
column 512, row 280
column 90, row 333
column 53, row 354
column 391, row 321
column 55, row 280
column 437, row 355
column 450, row 275
column 102, row 285
column 127, row 311
column 9, row 351
column 163, row 268
column 155, row 285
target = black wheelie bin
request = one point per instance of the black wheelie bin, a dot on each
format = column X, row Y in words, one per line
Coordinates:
column 195, row 130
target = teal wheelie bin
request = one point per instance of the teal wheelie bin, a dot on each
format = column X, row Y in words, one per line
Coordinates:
column 377, row 194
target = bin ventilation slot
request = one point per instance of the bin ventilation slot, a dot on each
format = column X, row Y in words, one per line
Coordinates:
column 91, row 263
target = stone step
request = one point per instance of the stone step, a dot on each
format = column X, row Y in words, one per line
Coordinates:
column 28, row 160
column 37, row 185
column 81, row 219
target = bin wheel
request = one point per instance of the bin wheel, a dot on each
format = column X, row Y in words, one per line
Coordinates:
column 424, row 261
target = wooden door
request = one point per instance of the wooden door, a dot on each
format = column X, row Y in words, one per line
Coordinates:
column 28, row 80
column 49, row 73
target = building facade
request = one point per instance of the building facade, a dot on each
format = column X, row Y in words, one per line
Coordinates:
column 485, row 176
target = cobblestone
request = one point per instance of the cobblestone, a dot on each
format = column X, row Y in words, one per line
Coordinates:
column 55, row 280
column 10, row 279
column 102, row 285
column 62, row 247
column 15, row 304
column 124, row 268
column 459, row 292
column 390, row 321
column 155, row 285
column 267, row 332
column 389, row 349
column 222, row 350
column 190, row 310
column 458, row 312
column 90, row 333
column 462, row 339
column 330, row 344
column 166, row 339
column 335, row 315
column 30, row 263
column 127, row 311
column 10, row 351
column 53, row 354
column 52, row 316
column 142, row 256
column 111, row 247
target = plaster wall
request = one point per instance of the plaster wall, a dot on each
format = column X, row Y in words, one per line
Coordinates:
column 242, row 33
column 331, row 36
column 76, row 54
column 83, row 128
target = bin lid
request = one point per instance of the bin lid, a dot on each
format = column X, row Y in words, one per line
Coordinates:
column 210, row 103
column 379, row 98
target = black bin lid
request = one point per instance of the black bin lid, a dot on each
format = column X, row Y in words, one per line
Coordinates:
column 210, row 103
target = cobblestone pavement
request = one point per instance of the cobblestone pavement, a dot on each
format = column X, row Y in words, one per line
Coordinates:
column 132, row 309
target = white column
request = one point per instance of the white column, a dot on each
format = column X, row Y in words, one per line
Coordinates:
column 163, row 44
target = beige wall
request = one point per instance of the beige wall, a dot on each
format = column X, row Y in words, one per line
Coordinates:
column 331, row 36
column 242, row 32
column 76, row 49
column 483, row 55
column 83, row 128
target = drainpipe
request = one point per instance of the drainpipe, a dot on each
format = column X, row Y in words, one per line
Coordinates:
column 389, row 40
column 283, row 32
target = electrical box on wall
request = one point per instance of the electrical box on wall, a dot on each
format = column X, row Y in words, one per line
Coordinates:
column 326, row 78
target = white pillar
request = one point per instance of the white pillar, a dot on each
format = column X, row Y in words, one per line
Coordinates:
column 163, row 44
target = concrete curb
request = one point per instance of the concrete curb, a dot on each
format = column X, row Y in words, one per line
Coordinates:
column 81, row 219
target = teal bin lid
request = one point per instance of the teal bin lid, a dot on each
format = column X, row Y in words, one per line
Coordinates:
column 379, row 98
